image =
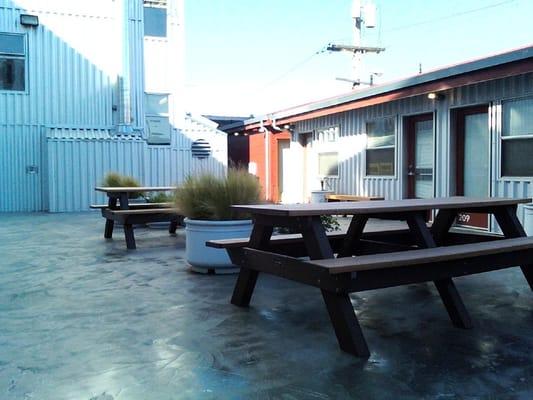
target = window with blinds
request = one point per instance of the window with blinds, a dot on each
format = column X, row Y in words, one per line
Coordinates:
column 380, row 147
column 517, row 138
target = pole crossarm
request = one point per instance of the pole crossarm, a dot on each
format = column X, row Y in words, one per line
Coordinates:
column 355, row 49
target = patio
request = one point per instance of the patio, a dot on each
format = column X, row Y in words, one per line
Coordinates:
column 82, row 318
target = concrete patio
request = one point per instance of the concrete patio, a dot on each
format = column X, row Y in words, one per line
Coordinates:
column 84, row 318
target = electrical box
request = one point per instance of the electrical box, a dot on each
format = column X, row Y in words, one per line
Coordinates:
column 158, row 129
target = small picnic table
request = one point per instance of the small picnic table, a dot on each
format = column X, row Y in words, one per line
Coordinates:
column 120, row 209
column 436, row 254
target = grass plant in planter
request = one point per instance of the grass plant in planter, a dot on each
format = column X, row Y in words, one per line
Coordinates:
column 114, row 179
column 205, row 201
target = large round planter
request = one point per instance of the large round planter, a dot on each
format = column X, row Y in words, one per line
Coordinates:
column 208, row 260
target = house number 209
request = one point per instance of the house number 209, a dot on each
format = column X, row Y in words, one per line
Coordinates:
column 464, row 218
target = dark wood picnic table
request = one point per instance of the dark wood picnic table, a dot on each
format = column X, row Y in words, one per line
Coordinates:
column 350, row 263
column 121, row 195
column 120, row 209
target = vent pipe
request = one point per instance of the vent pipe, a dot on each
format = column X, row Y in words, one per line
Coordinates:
column 124, row 72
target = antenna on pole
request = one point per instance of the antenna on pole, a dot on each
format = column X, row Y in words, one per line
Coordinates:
column 361, row 14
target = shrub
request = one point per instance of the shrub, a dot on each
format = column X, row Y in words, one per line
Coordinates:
column 114, row 179
column 161, row 197
column 208, row 197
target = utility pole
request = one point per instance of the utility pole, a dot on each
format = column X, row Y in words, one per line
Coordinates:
column 361, row 15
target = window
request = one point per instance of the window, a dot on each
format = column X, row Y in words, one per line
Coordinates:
column 517, row 137
column 328, row 164
column 12, row 62
column 155, row 18
column 326, row 139
column 156, row 104
column 381, row 142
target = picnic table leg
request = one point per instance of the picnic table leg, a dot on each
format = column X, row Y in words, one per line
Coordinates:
column 130, row 238
column 339, row 306
column 108, row 230
column 124, row 202
column 173, row 226
column 512, row 228
column 345, row 323
column 442, row 224
column 355, row 230
column 109, row 223
column 446, row 288
column 315, row 238
column 244, row 287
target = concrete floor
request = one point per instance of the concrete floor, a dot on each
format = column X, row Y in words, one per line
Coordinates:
column 83, row 318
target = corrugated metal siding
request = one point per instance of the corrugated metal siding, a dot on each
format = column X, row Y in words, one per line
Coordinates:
column 20, row 147
column 71, row 90
column 79, row 159
column 64, row 84
column 352, row 144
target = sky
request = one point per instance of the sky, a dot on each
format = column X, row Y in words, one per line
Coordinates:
column 253, row 57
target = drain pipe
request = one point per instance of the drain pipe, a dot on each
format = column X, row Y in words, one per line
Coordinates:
column 275, row 127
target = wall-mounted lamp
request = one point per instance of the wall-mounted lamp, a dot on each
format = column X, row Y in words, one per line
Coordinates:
column 289, row 127
column 435, row 96
column 29, row 20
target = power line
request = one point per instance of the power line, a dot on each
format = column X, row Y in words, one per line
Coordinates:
column 449, row 16
column 292, row 69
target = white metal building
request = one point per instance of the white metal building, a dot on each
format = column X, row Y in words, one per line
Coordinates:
column 88, row 87
column 473, row 136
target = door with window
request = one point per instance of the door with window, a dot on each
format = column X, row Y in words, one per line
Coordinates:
column 420, row 150
column 473, row 160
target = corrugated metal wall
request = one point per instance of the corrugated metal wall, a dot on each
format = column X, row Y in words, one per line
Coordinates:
column 20, row 148
column 352, row 143
column 69, row 83
column 64, row 123
column 79, row 159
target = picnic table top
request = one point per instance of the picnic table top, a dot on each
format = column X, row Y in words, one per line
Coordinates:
column 131, row 189
column 377, row 206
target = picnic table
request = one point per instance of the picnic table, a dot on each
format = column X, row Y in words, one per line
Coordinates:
column 120, row 209
column 340, row 264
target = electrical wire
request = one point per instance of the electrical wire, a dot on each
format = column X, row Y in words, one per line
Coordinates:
column 449, row 16
column 292, row 69
column 441, row 18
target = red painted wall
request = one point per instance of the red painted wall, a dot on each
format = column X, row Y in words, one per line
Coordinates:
column 257, row 156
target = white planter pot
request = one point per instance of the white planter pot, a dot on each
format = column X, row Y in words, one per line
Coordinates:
column 207, row 259
column 319, row 196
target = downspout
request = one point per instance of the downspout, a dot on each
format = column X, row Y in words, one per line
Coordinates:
column 275, row 127
column 124, row 72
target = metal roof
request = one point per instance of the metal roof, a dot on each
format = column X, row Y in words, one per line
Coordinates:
column 438, row 74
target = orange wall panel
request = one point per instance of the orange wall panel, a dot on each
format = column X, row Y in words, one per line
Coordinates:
column 257, row 156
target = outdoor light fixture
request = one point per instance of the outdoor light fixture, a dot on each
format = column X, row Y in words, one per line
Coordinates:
column 435, row 96
column 29, row 20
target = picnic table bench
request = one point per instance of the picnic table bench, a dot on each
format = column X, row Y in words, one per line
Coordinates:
column 119, row 209
column 357, row 261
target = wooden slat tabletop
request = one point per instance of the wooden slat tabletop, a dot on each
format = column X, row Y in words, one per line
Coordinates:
column 377, row 206
column 109, row 189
